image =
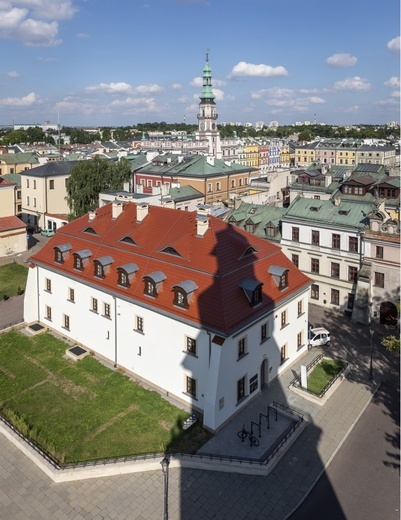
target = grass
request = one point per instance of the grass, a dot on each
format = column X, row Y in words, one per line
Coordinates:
column 323, row 373
column 12, row 278
column 83, row 410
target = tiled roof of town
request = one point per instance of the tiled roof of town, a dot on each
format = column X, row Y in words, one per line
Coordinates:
column 6, row 182
column 51, row 169
column 19, row 158
column 184, row 193
column 11, row 223
column 344, row 213
column 13, row 177
column 166, row 241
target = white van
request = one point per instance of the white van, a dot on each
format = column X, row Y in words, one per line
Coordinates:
column 318, row 337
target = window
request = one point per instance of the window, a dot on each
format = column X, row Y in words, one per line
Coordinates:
column 48, row 313
column 314, row 265
column 335, row 241
column 295, row 260
column 218, row 186
column 353, row 244
column 78, row 263
column 191, row 345
column 66, row 322
column 139, row 324
column 191, row 386
column 27, row 201
column 314, row 292
column 94, row 304
column 48, row 285
column 241, row 347
column 34, row 184
column 71, row 295
column 27, row 183
column 264, row 332
column 351, row 300
column 253, row 384
column 233, row 183
column 106, row 310
column 283, row 319
column 379, row 252
column 295, row 234
column 51, row 184
column 99, row 271
column 209, row 188
column 180, row 299
column 283, row 354
column 150, row 287
column 335, row 297
column 58, row 256
column 299, row 340
column 352, row 273
column 123, row 278
column 379, row 279
column 300, row 307
column 335, row 270
column 315, row 237
column 241, row 388
column 34, row 202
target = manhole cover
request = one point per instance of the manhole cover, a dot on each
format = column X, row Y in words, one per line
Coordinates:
column 36, row 327
column 77, row 350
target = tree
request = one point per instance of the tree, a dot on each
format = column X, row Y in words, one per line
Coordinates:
column 391, row 343
column 89, row 178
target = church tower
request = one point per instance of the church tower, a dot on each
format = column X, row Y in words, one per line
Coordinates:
column 207, row 117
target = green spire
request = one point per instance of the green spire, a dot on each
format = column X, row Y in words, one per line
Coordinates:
column 207, row 92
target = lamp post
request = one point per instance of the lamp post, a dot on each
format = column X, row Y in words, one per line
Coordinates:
column 165, row 464
column 371, row 354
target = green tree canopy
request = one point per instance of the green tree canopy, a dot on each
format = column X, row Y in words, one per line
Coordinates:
column 89, row 178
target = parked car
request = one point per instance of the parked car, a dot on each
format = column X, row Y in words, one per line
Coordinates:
column 33, row 229
column 318, row 336
column 48, row 232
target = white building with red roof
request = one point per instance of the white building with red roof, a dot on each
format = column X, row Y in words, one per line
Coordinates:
column 198, row 309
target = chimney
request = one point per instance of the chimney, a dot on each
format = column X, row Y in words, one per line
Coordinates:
column 91, row 215
column 141, row 211
column 202, row 225
column 237, row 202
column 210, row 160
column 337, row 201
column 117, row 209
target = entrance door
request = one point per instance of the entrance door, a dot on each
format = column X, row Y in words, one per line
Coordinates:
column 388, row 314
column 264, row 373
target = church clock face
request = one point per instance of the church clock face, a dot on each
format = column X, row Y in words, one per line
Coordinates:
column 202, row 126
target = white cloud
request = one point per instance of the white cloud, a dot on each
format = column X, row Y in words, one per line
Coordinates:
column 25, row 101
column 111, row 88
column 69, row 104
column 355, row 83
column 182, row 99
column 137, row 104
column 176, row 86
column 352, row 110
column 198, row 83
column 394, row 45
column 393, row 82
column 341, row 60
column 316, row 100
column 82, row 36
column 148, row 89
column 13, row 74
column 387, row 102
column 262, row 71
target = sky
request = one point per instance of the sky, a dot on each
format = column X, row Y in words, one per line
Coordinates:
column 124, row 62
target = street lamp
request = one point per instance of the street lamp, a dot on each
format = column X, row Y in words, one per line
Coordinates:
column 371, row 354
column 165, row 464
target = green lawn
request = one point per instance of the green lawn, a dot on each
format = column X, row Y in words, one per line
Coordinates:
column 12, row 278
column 83, row 410
column 322, row 374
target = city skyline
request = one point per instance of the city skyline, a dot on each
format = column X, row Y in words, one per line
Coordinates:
column 141, row 61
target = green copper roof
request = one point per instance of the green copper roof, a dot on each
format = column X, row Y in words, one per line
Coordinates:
column 207, row 92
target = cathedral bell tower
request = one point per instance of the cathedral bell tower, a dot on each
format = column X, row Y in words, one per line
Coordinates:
column 207, row 117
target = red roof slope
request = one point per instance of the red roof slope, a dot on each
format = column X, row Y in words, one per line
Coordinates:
column 10, row 223
column 216, row 262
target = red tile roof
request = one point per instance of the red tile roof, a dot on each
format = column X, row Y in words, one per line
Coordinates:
column 215, row 262
column 9, row 223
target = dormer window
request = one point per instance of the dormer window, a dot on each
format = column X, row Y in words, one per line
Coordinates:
column 126, row 273
column 183, row 292
column 170, row 250
column 128, row 240
column 80, row 259
column 252, row 290
column 153, row 283
column 90, row 230
column 60, row 252
column 102, row 265
column 280, row 276
column 249, row 251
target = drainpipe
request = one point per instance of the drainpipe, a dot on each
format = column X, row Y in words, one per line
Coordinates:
column 115, row 332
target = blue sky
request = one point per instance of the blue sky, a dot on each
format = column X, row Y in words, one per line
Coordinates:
column 123, row 62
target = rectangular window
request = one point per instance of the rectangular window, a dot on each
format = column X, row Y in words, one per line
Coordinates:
column 253, row 384
column 48, row 285
column 241, row 388
column 27, row 201
column 315, row 238
column 353, row 244
column 71, row 295
column 241, row 347
column 264, row 332
column 335, row 241
column 99, row 270
column 352, row 273
column 106, row 310
column 335, row 297
column 295, row 234
column 283, row 319
column 191, row 386
column 283, row 354
column 379, row 279
column 217, row 186
column 66, row 322
column 314, row 292
column 351, row 299
column 295, row 260
column 300, row 307
column 314, row 265
column 27, row 183
column 139, row 324
column 78, row 263
column 94, row 305
column 191, row 345
column 379, row 252
column 34, row 202
column 34, row 184
column 48, row 313
column 51, row 184
column 335, row 270
column 299, row 340
column 209, row 188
